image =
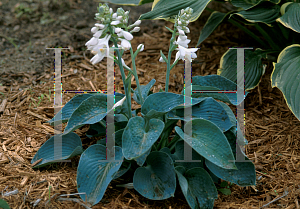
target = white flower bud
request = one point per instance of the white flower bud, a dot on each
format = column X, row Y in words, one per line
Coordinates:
column 114, row 16
column 128, row 36
column 183, row 38
column 110, row 10
column 187, row 30
column 125, row 44
column 181, row 32
column 94, row 29
column 179, row 22
column 137, row 23
column 142, row 47
column 119, row 18
column 118, row 30
column 127, row 12
column 100, row 26
column 116, row 22
column 135, row 29
column 161, row 59
column 98, row 34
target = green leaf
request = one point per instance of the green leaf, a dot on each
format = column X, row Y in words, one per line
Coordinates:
column 3, row 204
column 211, row 24
column 69, row 108
column 253, row 71
column 156, row 181
column 286, row 76
column 247, row 4
column 209, row 141
column 136, row 141
column 208, row 109
column 168, row 8
column 70, row 146
column 197, row 186
column 179, row 155
column 145, row 91
column 291, row 17
column 126, row 165
column 90, row 111
column 94, row 173
column 160, row 103
column 265, row 12
column 216, row 83
column 225, row 191
column 235, row 126
column 244, row 175
column 142, row 159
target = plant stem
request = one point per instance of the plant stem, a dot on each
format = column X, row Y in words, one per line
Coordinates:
column 136, row 76
column 127, row 94
column 267, row 37
column 169, row 58
column 246, row 30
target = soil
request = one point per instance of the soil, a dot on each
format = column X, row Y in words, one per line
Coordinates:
column 28, row 27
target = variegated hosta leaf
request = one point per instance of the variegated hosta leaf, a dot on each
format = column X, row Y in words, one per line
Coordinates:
column 253, row 70
column 164, row 9
column 286, row 77
column 291, row 17
column 265, row 12
column 211, row 24
column 247, row 4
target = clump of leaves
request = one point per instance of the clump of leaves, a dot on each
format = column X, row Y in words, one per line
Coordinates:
column 143, row 145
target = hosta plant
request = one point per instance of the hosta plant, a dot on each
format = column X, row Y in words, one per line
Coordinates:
column 277, row 21
column 149, row 141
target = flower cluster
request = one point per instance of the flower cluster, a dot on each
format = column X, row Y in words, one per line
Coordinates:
column 112, row 25
column 181, row 23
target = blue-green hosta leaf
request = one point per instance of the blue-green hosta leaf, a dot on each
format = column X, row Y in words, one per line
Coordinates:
column 247, row 4
column 70, row 145
column 144, row 90
column 216, row 83
column 235, row 126
column 243, row 176
column 129, row 2
column 95, row 130
column 160, row 103
column 69, row 108
column 286, row 77
column 291, row 19
column 4, row 204
column 126, row 165
column 94, row 173
column 179, row 155
column 253, row 71
column 168, row 8
column 265, row 12
column 136, row 141
column 211, row 24
column 208, row 109
column 197, row 186
column 90, row 111
column 209, row 141
column 156, row 181
column 142, row 159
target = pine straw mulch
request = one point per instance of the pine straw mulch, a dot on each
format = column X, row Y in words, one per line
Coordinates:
column 272, row 131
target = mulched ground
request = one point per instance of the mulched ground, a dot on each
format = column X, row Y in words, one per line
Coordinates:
column 272, row 130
